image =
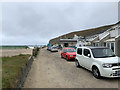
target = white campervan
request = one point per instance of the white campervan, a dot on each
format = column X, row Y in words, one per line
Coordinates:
column 100, row 60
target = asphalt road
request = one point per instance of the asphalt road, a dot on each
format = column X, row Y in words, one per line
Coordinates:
column 50, row 71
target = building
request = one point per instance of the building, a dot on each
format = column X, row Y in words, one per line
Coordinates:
column 76, row 41
column 109, row 38
column 68, row 42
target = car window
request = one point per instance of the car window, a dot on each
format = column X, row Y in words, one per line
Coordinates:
column 79, row 51
column 86, row 52
column 71, row 50
column 54, row 47
column 63, row 50
column 102, row 52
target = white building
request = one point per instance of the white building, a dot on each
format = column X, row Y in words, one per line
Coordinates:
column 109, row 38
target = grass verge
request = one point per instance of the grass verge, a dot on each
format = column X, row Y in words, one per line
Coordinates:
column 12, row 68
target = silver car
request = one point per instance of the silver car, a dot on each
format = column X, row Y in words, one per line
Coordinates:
column 54, row 49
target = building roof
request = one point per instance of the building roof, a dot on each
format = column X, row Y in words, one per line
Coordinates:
column 92, row 47
column 110, row 40
column 68, row 41
column 97, row 41
column 117, row 36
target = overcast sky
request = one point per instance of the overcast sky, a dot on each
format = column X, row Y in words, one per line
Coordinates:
column 37, row 23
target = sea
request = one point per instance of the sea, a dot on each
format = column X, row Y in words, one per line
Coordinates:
column 19, row 46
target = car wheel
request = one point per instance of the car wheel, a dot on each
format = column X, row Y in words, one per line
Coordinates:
column 67, row 58
column 96, row 72
column 77, row 63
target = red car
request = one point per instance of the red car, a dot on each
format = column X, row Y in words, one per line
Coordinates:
column 68, row 53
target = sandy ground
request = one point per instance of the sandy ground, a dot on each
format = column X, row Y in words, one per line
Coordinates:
column 13, row 52
column 50, row 71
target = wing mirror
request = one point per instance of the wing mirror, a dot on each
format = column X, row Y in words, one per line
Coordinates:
column 89, row 55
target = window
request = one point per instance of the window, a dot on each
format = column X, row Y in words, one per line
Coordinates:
column 71, row 50
column 93, row 44
column 86, row 52
column 112, row 46
column 79, row 51
column 63, row 50
column 104, row 44
column 96, row 44
column 108, row 45
column 102, row 53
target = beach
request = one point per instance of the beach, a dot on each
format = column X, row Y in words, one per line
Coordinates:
column 13, row 52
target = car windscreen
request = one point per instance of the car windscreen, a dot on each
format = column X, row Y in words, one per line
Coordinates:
column 71, row 50
column 102, row 52
column 54, row 47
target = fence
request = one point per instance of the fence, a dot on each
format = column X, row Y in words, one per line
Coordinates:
column 25, row 72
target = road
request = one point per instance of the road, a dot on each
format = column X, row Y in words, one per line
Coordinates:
column 50, row 71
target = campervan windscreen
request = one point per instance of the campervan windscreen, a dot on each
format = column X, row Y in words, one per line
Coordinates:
column 102, row 53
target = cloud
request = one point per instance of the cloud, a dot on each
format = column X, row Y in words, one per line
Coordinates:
column 37, row 23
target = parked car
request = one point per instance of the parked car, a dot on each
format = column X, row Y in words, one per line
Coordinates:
column 49, row 48
column 68, row 53
column 54, row 49
column 59, row 47
column 100, row 60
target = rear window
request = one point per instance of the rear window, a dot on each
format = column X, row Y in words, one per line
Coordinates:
column 54, row 47
column 79, row 51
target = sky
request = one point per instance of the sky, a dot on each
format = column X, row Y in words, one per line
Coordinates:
column 25, row 23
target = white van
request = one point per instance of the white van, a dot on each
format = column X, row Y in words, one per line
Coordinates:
column 100, row 60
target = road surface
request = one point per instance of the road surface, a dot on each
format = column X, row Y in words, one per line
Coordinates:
column 50, row 71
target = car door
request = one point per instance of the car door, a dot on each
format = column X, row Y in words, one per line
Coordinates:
column 79, row 56
column 87, row 58
column 64, row 53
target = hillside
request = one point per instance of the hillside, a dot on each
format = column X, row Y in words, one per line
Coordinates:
column 83, row 33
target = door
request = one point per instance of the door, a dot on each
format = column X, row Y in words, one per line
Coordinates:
column 64, row 53
column 65, row 44
column 113, row 46
column 79, row 56
column 87, row 58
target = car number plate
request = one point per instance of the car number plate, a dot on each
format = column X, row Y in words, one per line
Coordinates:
column 118, row 72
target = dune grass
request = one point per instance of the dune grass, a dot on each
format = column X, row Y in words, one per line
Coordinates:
column 11, row 69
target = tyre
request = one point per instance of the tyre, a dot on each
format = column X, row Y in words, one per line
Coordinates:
column 96, row 72
column 67, row 58
column 77, row 63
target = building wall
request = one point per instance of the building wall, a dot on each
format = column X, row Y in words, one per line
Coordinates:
column 118, row 48
column 69, row 44
column 117, row 45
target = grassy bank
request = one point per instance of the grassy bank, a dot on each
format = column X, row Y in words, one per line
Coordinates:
column 13, row 47
column 11, row 69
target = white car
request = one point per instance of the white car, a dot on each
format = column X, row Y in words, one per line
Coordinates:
column 54, row 49
column 100, row 60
